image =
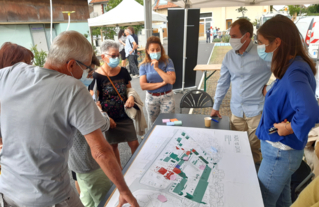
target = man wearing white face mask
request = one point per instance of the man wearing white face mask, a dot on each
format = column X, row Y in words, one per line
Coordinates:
column 50, row 105
column 248, row 74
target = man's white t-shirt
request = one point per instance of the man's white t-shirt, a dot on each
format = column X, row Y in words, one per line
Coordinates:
column 41, row 109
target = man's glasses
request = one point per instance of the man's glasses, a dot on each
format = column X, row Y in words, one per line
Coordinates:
column 86, row 67
column 113, row 56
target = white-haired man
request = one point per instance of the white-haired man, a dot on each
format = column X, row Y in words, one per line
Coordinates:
column 130, row 47
column 41, row 109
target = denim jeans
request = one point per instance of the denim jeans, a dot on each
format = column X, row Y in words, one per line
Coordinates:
column 275, row 173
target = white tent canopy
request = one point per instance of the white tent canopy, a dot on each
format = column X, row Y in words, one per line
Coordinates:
column 228, row 3
column 128, row 12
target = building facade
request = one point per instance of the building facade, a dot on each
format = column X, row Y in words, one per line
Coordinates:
column 27, row 23
column 220, row 17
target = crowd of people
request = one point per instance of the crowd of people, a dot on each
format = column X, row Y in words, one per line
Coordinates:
column 69, row 115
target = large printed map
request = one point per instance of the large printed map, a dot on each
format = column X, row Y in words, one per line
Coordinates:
column 193, row 167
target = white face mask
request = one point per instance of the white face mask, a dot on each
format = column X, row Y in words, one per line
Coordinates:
column 84, row 74
column 235, row 43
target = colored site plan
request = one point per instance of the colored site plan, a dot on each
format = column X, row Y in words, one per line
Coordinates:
column 187, row 167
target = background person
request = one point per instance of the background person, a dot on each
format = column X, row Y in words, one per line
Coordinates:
column 122, row 127
column 292, row 97
column 122, row 40
column 157, row 77
column 11, row 54
column 92, row 182
column 208, row 35
column 136, row 40
column 248, row 74
column 130, row 51
column 36, row 143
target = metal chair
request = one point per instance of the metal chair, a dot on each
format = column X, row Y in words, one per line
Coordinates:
column 196, row 99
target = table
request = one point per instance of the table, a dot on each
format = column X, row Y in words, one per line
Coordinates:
column 189, row 120
column 205, row 68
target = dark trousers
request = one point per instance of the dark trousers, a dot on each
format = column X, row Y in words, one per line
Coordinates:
column 208, row 38
column 133, row 65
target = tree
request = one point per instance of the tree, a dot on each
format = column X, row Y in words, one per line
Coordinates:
column 242, row 10
column 314, row 8
column 296, row 9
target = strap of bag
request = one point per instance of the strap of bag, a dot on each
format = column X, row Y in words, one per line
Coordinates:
column 115, row 88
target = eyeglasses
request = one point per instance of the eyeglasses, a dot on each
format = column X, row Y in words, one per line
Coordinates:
column 113, row 56
column 86, row 67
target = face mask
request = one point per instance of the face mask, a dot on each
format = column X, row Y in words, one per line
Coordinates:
column 113, row 62
column 235, row 43
column 87, row 81
column 84, row 74
column 261, row 50
column 155, row 55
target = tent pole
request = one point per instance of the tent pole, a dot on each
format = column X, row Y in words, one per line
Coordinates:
column 148, row 18
column 91, row 35
column 184, row 47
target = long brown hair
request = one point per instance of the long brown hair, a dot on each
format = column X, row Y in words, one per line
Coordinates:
column 291, row 44
column 11, row 54
column 154, row 40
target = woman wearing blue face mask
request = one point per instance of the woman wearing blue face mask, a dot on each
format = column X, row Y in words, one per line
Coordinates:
column 157, row 76
column 112, row 100
column 290, row 107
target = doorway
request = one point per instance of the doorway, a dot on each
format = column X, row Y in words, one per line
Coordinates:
column 228, row 23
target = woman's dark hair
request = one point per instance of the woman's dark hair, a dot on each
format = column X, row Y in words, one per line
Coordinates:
column 11, row 54
column 291, row 44
column 120, row 34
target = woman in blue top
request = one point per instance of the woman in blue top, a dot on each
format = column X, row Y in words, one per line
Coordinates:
column 290, row 107
column 157, row 77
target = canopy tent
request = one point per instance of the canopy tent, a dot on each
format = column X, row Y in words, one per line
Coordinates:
column 228, row 3
column 128, row 12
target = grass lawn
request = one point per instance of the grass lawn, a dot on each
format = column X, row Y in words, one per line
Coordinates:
column 216, row 58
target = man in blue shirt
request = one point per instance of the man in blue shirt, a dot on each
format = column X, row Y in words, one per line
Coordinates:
column 248, row 74
column 130, row 47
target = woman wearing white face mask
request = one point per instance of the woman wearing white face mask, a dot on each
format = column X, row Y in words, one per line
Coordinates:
column 157, row 76
column 108, row 77
column 290, row 107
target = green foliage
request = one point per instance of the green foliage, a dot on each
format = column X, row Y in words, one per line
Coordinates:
column 39, row 57
column 242, row 10
column 255, row 22
column 226, row 38
column 109, row 32
column 217, row 40
column 86, row 35
column 312, row 10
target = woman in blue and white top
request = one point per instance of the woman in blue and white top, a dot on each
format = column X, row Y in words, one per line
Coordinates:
column 290, row 107
column 157, row 76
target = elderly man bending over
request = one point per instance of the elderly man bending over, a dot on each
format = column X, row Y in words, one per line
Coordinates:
column 41, row 109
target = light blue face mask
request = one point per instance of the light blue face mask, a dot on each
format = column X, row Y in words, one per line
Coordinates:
column 261, row 50
column 87, row 81
column 155, row 55
column 113, row 62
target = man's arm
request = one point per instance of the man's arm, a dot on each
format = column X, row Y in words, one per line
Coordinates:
column 221, row 89
column 103, row 154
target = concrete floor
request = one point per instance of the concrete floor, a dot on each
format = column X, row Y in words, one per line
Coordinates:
column 204, row 52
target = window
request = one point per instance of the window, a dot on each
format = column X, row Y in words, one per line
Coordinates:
column 203, row 15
